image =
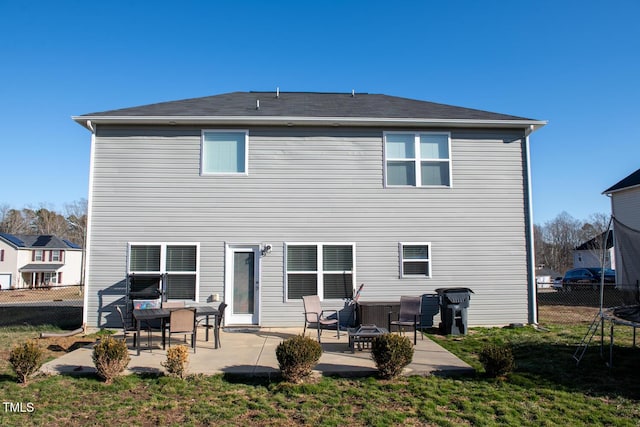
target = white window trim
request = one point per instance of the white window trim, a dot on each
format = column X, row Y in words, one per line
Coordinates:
column 429, row 260
column 39, row 255
column 56, row 255
column 246, row 152
column 50, row 277
column 163, row 262
column 319, row 263
column 416, row 159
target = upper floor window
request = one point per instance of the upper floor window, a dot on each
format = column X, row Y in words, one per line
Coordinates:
column 38, row 255
column 417, row 159
column 320, row 269
column 56, row 256
column 224, row 152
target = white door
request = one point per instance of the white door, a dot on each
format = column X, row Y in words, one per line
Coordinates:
column 242, row 284
column 5, row 281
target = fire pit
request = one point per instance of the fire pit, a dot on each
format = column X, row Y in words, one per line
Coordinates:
column 363, row 335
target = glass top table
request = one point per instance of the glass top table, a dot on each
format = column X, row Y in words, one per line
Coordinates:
column 164, row 313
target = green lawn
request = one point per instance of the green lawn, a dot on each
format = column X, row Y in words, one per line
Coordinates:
column 546, row 389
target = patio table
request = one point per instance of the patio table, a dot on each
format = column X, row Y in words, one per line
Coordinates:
column 141, row 315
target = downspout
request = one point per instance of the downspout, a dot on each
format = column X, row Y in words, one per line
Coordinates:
column 87, row 242
column 531, row 274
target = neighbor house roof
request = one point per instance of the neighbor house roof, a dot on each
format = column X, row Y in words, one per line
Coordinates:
column 306, row 108
column 37, row 241
column 596, row 242
column 632, row 180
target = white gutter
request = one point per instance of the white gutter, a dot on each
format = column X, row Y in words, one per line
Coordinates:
column 531, row 274
column 307, row 121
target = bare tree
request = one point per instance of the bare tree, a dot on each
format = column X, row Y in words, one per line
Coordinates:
column 15, row 221
column 4, row 210
column 562, row 235
column 76, row 216
column 595, row 238
column 540, row 245
column 49, row 222
column 45, row 220
column 558, row 238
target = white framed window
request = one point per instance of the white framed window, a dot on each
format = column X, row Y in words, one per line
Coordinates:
column 323, row 269
column 56, row 256
column 417, row 159
column 177, row 263
column 50, row 277
column 224, row 152
column 415, row 259
column 38, row 255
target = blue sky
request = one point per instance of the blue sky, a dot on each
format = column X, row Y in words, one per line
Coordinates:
column 573, row 63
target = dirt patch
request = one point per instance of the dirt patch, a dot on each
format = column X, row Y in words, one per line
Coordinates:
column 52, row 347
column 57, row 346
column 568, row 315
column 45, row 294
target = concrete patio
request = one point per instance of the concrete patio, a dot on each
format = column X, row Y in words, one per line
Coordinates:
column 252, row 352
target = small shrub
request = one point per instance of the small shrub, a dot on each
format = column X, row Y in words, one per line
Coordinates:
column 497, row 360
column 297, row 356
column 26, row 359
column 177, row 361
column 110, row 357
column 391, row 353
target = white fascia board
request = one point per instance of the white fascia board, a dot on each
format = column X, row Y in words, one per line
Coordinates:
column 307, row 121
column 631, row 187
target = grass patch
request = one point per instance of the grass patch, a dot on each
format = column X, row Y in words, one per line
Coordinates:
column 545, row 389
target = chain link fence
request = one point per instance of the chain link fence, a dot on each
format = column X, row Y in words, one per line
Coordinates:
column 62, row 306
column 59, row 306
column 578, row 305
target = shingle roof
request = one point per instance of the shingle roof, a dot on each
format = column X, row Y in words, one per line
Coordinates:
column 596, row 242
column 38, row 241
column 306, row 109
column 307, row 104
column 632, row 180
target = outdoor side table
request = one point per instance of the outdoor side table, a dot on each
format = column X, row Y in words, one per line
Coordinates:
column 363, row 335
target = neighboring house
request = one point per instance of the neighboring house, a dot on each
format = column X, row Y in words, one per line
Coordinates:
column 589, row 254
column 32, row 261
column 263, row 197
column 625, row 208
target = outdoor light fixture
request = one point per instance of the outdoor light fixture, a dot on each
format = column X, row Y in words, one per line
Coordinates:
column 266, row 249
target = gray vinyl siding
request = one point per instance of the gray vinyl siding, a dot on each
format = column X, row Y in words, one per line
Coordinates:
column 626, row 205
column 313, row 185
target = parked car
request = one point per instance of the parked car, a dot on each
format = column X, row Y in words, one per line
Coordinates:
column 587, row 277
column 557, row 283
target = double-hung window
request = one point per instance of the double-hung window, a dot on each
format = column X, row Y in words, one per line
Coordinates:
column 50, row 277
column 324, row 269
column 417, row 159
column 177, row 263
column 224, row 152
column 415, row 259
